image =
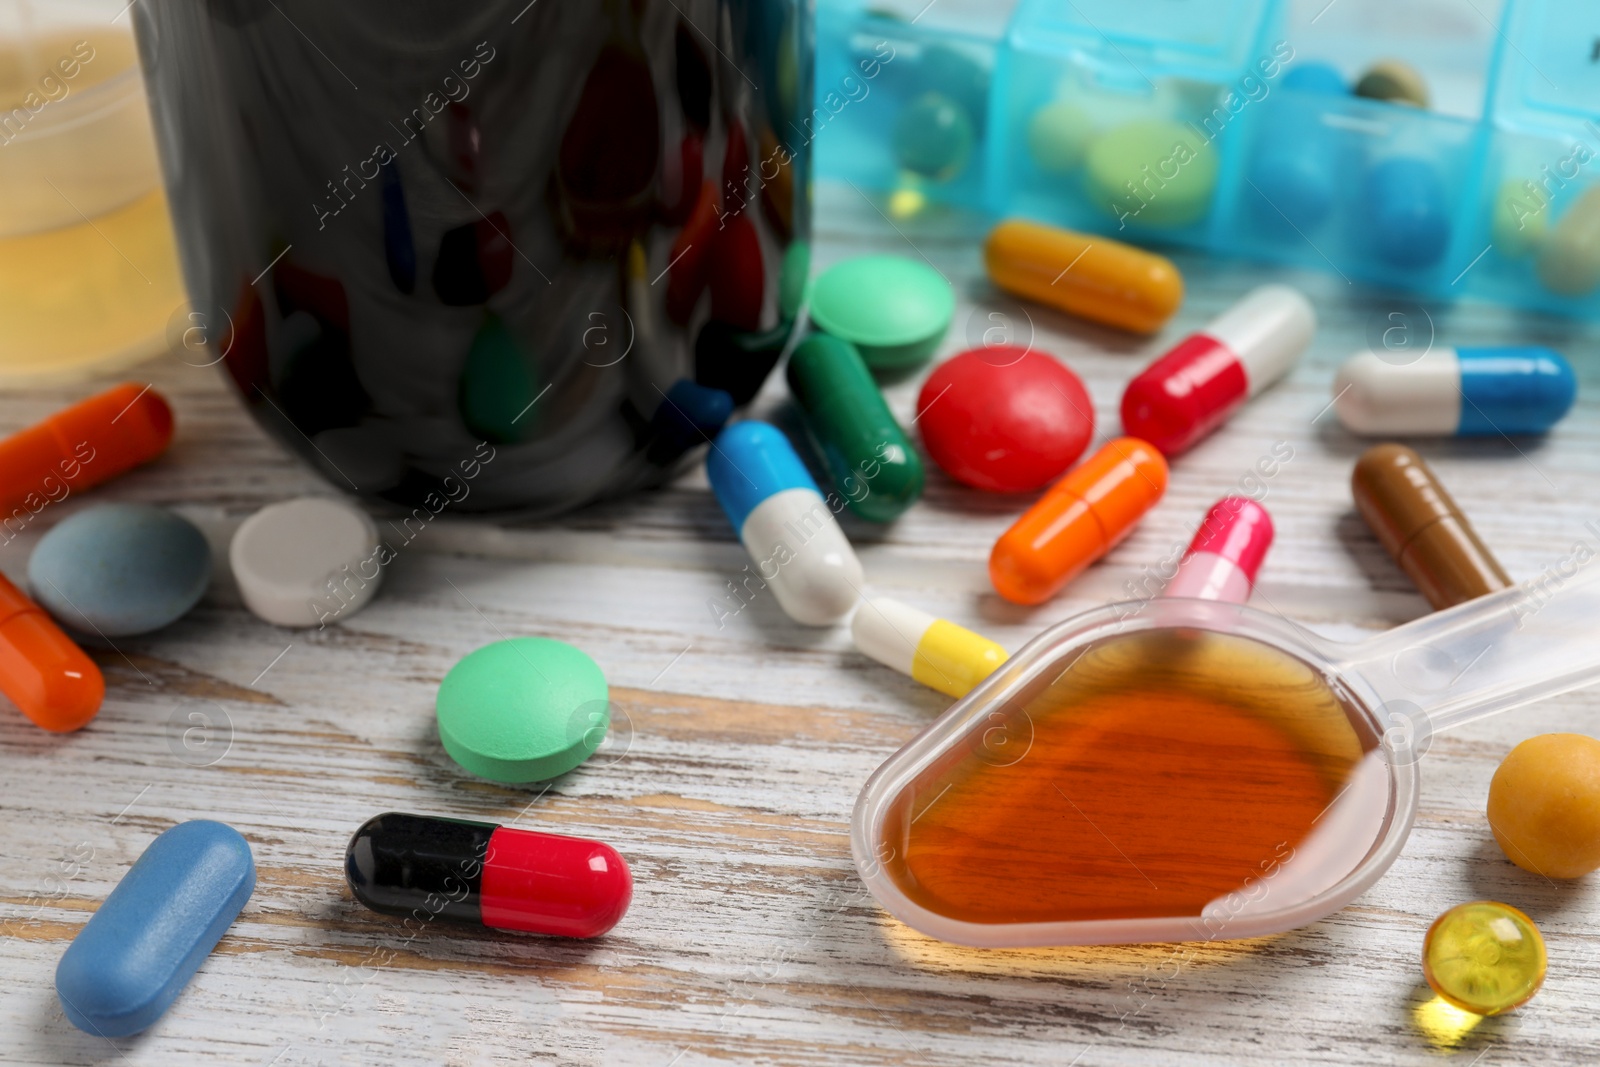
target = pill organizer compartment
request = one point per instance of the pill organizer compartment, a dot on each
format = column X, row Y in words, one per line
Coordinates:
column 902, row 102
column 1537, row 210
column 1181, row 130
column 1365, row 189
column 1101, row 127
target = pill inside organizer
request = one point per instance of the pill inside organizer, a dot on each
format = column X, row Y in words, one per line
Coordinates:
column 1162, row 774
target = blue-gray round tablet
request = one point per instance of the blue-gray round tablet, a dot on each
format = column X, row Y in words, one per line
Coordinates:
column 120, row 569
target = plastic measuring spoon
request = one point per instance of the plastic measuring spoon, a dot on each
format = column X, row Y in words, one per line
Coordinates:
column 1192, row 770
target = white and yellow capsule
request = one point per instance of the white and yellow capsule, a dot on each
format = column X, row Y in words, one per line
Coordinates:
column 935, row 652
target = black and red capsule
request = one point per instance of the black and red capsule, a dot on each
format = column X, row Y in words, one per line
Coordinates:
column 476, row 872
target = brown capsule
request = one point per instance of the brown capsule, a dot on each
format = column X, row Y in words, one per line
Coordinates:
column 1421, row 527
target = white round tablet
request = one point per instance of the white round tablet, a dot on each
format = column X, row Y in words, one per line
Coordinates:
column 307, row 562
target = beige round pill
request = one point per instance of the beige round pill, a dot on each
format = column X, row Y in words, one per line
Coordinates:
column 1569, row 256
column 1394, row 81
column 307, row 562
column 1517, row 221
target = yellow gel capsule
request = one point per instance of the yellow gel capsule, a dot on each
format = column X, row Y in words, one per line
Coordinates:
column 1082, row 274
column 1484, row 957
column 937, row 653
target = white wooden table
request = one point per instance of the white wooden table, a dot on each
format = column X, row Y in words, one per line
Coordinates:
column 736, row 759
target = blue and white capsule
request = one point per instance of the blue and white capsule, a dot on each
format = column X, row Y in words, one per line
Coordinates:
column 797, row 547
column 1454, row 392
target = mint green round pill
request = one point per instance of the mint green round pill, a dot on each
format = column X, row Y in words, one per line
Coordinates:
column 1152, row 172
column 1058, row 137
column 894, row 310
column 523, row 710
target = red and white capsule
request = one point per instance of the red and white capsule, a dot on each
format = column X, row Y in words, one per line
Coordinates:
column 1227, row 551
column 1206, row 377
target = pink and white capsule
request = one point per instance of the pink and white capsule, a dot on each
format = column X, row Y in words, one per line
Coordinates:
column 1226, row 553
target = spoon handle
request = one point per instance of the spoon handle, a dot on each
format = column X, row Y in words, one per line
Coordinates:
column 1493, row 653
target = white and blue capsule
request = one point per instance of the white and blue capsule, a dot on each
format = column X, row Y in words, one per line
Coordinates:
column 783, row 522
column 1454, row 392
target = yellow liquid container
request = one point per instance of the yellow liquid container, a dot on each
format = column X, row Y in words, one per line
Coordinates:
column 89, row 274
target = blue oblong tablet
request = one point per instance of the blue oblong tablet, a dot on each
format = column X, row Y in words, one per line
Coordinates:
column 135, row 955
column 1295, row 168
column 1315, row 77
column 1408, row 213
column 1295, row 165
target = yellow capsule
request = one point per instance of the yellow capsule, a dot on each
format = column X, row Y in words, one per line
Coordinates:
column 1484, row 957
column 1083, row 274
column 937, row 653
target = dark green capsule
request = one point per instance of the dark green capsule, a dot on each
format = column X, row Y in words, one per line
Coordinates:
column 868, row 456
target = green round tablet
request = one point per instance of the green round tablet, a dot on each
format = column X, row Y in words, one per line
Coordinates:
column 894, row 310
column 933, row 137
column 1058, row 136
column 1152, row 172
column 523, row 710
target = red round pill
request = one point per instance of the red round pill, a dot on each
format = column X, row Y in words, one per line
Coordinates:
column 1004, row 419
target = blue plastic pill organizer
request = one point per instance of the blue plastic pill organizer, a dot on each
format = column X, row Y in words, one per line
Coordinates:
column 1477, row 195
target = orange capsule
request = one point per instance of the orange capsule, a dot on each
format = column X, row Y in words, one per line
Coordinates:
column 47, row 677
column 1084, row 274
column 1078, row 520
column 91, row 442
